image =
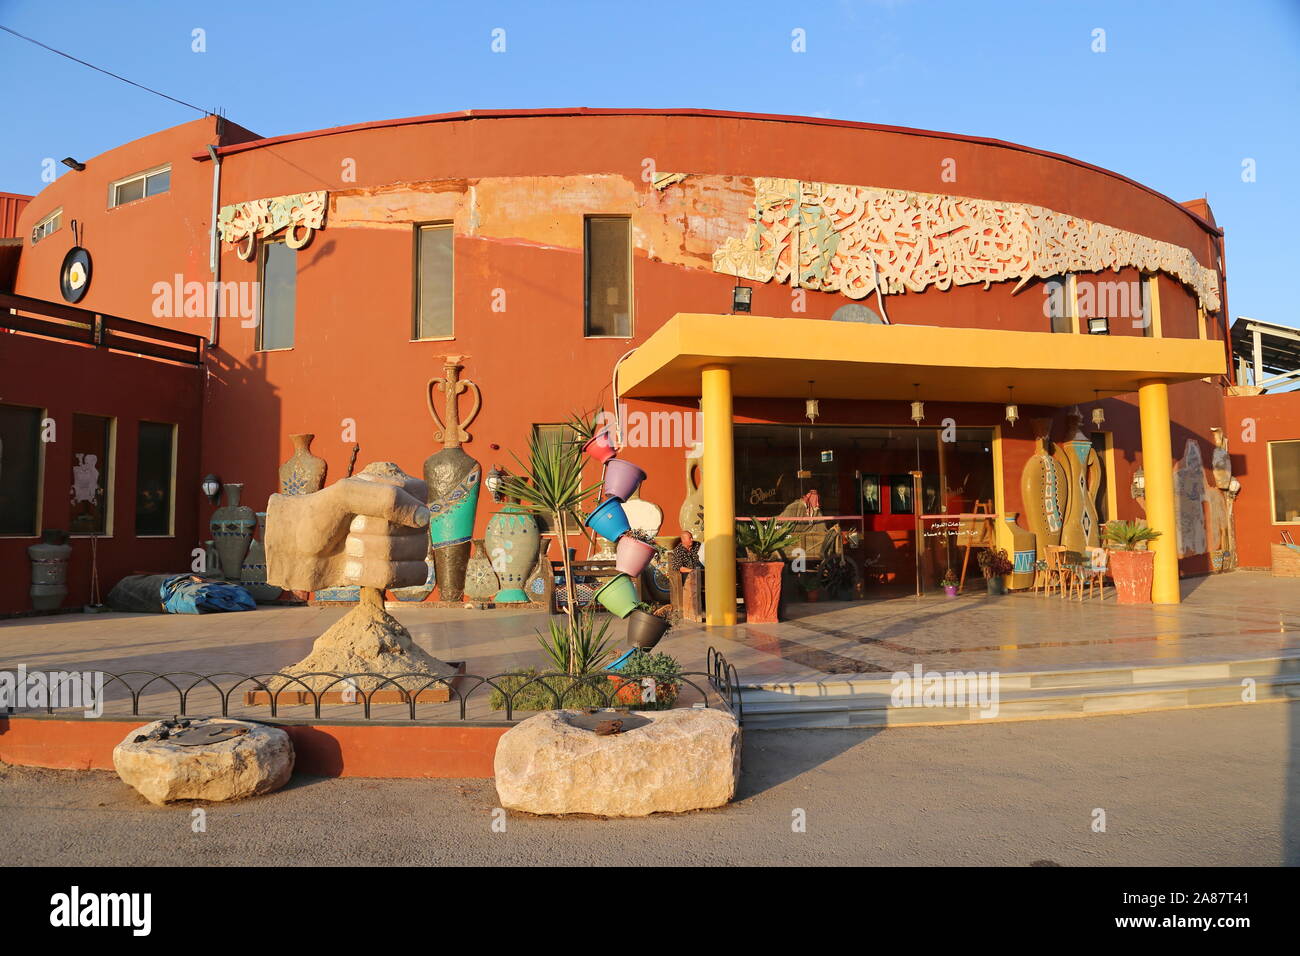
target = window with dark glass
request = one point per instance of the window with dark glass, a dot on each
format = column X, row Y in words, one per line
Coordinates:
column 92, row 466
column 433, row 282
column 1284, row 473
column 1057, row 291
column 20, row 468
column 154, row 476
column 555, row 433
column 279, row 285
column 608, row 246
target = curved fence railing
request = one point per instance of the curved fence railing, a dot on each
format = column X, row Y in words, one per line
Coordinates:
column 717, row 686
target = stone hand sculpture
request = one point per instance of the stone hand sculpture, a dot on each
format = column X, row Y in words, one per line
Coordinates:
column 368, row 531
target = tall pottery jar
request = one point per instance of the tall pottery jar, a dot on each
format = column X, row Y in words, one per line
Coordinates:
column 512, row 540
column 232, row 529
column 50, row 570
column 303, row 473
column 453, row 479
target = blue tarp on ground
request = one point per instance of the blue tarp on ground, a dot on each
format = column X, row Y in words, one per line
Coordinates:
column 184, row 594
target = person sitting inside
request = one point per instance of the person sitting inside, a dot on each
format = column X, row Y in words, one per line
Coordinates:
column 686, row 556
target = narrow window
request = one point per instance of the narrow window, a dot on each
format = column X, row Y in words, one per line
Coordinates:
column 20, row 468
column 1057, row 290
column 140, row 185
column 1284, row 475
column 279, row 296
column 609, row 276
column 92, row 474
column 50, row 224
column 433, row 282
column 155, row 464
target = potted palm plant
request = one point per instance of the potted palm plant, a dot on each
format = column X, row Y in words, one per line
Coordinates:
column 760, row 572
column 1132, row 569
column 551, row 485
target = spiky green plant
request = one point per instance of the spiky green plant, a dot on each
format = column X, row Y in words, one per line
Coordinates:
column 765, row 540
column 1127, row 535
column 581, row 649
column 551, row 484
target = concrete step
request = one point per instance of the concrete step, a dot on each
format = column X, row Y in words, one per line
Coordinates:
column 873, row 708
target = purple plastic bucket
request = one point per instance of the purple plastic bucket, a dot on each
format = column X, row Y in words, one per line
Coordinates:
column 622, row 478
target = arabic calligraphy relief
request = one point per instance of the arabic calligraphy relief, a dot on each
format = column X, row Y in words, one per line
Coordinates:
column 848, row 239
column 299, row 215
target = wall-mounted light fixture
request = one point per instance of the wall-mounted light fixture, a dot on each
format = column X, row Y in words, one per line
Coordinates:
column 741, row 297
column 918, row 406
column 1098, row 416
column 1013, row 410
column 1099, row 325
column 1139, row 487
column 72, row 163
column 810, row 406
column 212, row 488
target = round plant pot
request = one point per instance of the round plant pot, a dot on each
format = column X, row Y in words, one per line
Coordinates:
column 997, row 584
column 632, row 556
column 600, row 446
column 761, row 584
column 608, row 520
column 1133, row 572
column 618, row 595
column 644, row 630
column 950, row 590
column 627, row 690
column 813, row 596
column 622, row 478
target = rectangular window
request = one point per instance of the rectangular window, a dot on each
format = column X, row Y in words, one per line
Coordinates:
column 155, row 465
column 433, row 282
column 1057, row 290
column 92, row 474
column 1284, row 475
column 20, row 468
column 138, row 186
column 608, row 246
column 279, row 284
column 50, row 224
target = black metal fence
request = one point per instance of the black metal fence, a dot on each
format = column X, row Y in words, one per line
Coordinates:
column 717, row 686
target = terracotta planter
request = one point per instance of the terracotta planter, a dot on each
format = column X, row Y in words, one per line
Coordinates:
column 761, row 585
column 600, row 446
column 622, row 478
column 628, row 691
column 1133, row 571
column 618, row 595
column 645, row 630
column 632, row 556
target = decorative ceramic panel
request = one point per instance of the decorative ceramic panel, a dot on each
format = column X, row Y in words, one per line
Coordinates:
column 849, row 239
column 299, row 215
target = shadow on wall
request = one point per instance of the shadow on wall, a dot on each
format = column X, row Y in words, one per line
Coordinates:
column 241, row 429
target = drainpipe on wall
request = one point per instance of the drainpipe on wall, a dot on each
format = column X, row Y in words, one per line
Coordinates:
column 214, row 248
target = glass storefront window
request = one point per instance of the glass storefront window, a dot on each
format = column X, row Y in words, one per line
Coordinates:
column 92, row 438
column 20, row 468
column 1284, row 473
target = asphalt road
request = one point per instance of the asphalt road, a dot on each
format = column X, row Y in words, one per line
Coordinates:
column 1200, row 787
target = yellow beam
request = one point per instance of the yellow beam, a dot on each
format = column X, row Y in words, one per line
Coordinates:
column 719, row 498
column 1158, row 469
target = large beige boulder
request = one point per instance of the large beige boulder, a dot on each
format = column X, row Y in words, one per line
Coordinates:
column 259, row 761
column 684, row 759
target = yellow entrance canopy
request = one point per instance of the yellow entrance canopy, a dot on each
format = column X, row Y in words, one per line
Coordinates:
column 775, row 358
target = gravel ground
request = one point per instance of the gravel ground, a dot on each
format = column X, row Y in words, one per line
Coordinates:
column 1212, row 786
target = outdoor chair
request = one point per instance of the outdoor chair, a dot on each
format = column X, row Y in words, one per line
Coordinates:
column 1054, row 577
column 1073, row 572
column 1095, row 570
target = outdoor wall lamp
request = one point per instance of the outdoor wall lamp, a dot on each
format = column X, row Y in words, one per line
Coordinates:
column 810, row 406
column 1139, row 486
column 212, row 488
column 1100, row 325
column 741, row 297
column 72, row 163
column 918, row 406
column 1013, row 410
column 1098, row 416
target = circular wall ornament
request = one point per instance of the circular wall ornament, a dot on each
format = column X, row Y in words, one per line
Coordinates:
column 74, row 274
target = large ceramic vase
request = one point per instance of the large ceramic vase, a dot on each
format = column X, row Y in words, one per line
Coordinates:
column 303, row 473
column 49, row 569
column 1023, row 554
column 512, row 540
column 232, row 529
column 252, row 573
column 1042, row 488
column 1133, row 572
column 760, row 582
column 453, row 479
column 481, row 581
column 691, row 516
column 1082, row 467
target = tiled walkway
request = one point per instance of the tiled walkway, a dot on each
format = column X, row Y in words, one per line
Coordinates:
column 1238, row 616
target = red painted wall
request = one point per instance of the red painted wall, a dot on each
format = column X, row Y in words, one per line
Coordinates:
column 1266, row 418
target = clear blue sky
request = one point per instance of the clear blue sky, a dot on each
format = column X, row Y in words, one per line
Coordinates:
column 1184, row 92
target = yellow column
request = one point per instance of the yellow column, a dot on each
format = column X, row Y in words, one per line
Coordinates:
column 1158, row 469
column 719, row 498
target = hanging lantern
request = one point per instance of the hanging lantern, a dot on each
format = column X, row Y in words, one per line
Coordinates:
column 1013, row 410
column 1098, row 416
column 810, row 407
column 918, row 406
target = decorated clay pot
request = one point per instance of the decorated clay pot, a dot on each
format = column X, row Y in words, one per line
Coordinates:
column 644, row 629
column 608, row 520
column 512, row 539
column 232, row 530
column 600, row 446
column 453, row 478
column 632, row 555
column 1133, row 572
column 761, row 584
column 49, row 569
column 211, row 560
column 622, row 478
column 481, row 582
column 252, row 573
column 304, row 472
column 618, row 595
